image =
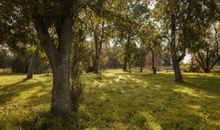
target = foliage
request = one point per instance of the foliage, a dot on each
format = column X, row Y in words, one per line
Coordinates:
column 5, row 59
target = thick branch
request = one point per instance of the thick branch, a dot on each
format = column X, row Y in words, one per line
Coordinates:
column 44, row 37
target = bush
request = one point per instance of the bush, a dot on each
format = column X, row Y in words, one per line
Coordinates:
column 5, row 59
column 190, row 68
column 6, row 71
column 20, row 64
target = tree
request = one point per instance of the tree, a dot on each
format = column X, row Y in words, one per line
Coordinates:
column 17, row 33
column 140, row 57
column 32, row 64
column 136, row 14
column 206, row 50
column 150, row 40
column 98, row 27
column 178, row 19
column 58, row 17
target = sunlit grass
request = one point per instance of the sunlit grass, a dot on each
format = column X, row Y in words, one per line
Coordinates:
column 119, row 101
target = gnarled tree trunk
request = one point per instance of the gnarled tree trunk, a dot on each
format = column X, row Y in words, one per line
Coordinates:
column 59, row 58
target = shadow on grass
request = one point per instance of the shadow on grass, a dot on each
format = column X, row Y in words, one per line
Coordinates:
column 133, row 101
column 182, row 106
column 8, row 92
column 44, row 121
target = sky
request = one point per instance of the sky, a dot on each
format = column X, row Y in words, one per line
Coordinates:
column 187, row 58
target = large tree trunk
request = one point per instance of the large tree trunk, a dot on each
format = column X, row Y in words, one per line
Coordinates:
column 61, row 92
column 32, row 64
column 59, row 58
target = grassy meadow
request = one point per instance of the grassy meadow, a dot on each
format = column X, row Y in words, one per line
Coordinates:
column 120, row 101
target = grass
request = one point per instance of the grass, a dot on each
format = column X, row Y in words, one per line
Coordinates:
column 120, row 101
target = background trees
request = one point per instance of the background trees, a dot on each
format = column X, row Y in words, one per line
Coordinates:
column 206, row 49
column 95, row 34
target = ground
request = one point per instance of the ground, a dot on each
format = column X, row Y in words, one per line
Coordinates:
column 137, row 101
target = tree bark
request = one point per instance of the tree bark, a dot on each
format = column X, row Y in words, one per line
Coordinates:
column 141, row 67
column 175, row 59
column 98, row 46
column 129, row 64
column 32, row 64
column 59, row 58
column 153, row 61
column 177, row 71
column 97, row 56
column 125, row 62
column 61, row 91
column 127, row 54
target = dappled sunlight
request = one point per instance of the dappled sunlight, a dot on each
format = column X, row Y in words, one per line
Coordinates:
column 122, row 77
column 98, row 84
column 22, row 98
column 122, row 101
column 197, row 107
column 193, row 92
column 138, row 81
column 151, row 121
column 103, row 97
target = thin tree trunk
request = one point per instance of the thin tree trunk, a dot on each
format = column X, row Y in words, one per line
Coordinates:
column 32, row 64
column 141, row 67
column 96, row 65
column 129, row 64
column 177, row 71
column 98, row 46
column 191, row 69
column 125, row 62
column 141, row 61
column 127, row 54
column 175, row 60
column 153, row 61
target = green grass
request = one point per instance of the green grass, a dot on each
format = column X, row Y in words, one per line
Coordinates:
column 137, row 101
